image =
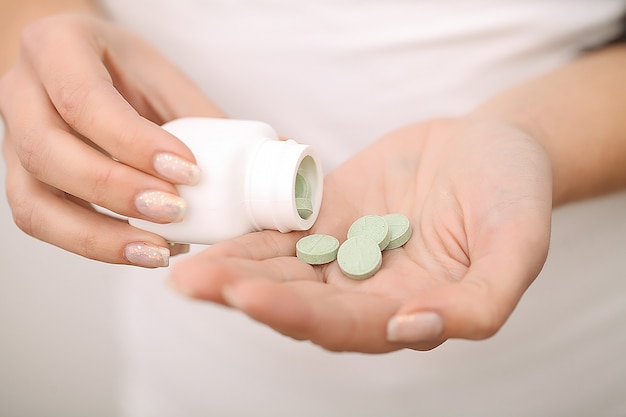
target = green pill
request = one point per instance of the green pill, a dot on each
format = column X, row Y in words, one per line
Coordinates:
column 304, row 207
column 302, row 189
column 317, row 249
column 399, row 229
column 359, row 257
column 373, row 227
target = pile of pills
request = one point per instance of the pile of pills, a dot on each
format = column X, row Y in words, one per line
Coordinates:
column 360, row 256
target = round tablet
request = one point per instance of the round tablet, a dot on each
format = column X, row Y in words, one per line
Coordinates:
column 302, row 187
column 373, row 227
column 399, row 229
column 317, row 249
column 304, row 207
column 359, row 257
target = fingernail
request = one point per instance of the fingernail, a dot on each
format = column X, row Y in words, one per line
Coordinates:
column 179, row 249
column 161, row 206
column 177, row 169
column 230, row 299
column 147, row 255
column 416, row 327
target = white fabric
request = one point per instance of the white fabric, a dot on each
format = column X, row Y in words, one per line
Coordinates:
column 337, row 75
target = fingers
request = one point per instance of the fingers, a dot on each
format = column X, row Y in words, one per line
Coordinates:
column 258, row 274
column 61, row 68
column 477, row 306
column 506, row 259
column 325, row 315
column 256, row 246
column 81, row 88
column 266, row 255
column 287, row 295
column 53, row 155
column 81, row 107
column 46, row 214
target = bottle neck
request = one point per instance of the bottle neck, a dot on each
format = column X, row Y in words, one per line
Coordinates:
column 271, row 186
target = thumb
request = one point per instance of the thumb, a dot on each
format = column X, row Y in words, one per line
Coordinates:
column 479, row 304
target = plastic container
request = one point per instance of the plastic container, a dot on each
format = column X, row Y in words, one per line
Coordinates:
column 248, row 182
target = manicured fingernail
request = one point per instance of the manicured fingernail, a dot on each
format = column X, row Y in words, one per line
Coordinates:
column 178, row 249
column 413, row 328
column 161, row 206
column 147, row 255
column 177, row 169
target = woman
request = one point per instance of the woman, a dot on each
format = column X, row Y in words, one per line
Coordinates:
column 493, row 119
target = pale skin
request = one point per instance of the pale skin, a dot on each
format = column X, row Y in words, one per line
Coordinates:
column 78, row 73
column 478, row 189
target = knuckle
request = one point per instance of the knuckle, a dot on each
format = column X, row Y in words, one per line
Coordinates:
column 24, row 212
column 67, row 88
column 46, row 31
column 89, row 244
column 102, row 184
column 31, row 149
column 127, row 139
column 71, row 95
column 33, row 35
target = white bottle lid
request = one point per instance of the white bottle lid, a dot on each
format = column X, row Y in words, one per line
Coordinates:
column 271, row 196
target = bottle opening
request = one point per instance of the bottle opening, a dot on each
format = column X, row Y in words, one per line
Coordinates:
column 305, row 186
column 285, row 188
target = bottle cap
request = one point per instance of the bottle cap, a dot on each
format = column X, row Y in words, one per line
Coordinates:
column 271, row 189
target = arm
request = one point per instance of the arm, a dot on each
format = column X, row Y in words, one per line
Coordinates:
column 578, row 113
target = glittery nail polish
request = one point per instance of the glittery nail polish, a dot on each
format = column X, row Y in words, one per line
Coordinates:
column 248, row 182
column 161, row 206
column 147, row 255
column 176, row 169
column 179, row 249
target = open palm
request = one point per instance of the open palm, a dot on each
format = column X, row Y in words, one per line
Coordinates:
column 478, row 195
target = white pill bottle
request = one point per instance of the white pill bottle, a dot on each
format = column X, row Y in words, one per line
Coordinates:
column 248, row 181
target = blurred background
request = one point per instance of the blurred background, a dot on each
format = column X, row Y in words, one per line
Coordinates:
column 58, row 353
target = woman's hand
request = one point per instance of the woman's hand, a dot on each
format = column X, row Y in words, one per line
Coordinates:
column 479, row 197
column 82, row 109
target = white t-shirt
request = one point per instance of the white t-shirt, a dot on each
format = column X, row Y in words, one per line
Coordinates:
column 338, row 74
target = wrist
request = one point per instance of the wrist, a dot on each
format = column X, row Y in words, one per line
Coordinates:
column 531, row 126
column 576, row 114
